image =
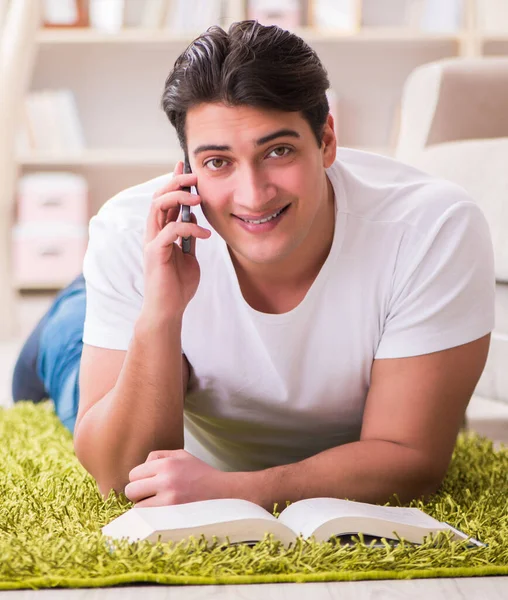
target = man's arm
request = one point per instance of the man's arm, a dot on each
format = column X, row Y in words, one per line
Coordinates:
column 413, row 413
column 141, row 412
column 131, row 403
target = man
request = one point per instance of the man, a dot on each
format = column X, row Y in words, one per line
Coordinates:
column 325, row 333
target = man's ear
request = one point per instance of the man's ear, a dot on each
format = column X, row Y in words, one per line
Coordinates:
column 329, row 142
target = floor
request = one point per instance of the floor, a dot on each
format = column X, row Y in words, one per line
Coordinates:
column 484, row 416
column 470, row 588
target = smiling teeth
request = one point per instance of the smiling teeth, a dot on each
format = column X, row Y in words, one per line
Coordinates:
column 264, row 220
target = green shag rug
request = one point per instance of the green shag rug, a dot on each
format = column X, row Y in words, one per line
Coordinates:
column 51, row 513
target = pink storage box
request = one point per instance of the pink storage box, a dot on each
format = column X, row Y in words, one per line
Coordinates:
column 284, row 13
column 53, row 196
column 47, row 257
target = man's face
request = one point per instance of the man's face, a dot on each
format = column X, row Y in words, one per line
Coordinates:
column 253, row 165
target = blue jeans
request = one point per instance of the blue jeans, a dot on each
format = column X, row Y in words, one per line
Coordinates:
column 48, row 364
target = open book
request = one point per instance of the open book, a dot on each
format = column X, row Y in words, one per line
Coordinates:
column 241, row 521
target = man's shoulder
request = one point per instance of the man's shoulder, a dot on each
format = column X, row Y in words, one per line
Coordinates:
column 382, row 189
column 129, row 208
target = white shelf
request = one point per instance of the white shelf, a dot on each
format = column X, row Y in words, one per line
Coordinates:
column 494, row 37
column 48, row 286
column 126, row 36
column 369, row 84
column 129, row 158
column 157, row 36
column 106, row 158
column 376, row 34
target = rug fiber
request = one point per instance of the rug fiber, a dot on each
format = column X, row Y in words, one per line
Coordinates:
column 51, row 513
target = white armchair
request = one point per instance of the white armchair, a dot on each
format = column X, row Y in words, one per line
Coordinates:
column 454, row 124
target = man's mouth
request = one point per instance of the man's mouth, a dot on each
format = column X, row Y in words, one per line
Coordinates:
column 259, row 221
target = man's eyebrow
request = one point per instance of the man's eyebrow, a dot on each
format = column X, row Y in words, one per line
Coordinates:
column 277, row 134
column 264, row 140
column 208, row 147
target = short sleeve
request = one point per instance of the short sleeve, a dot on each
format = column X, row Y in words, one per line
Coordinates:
column 113, row 272
column 443, row 290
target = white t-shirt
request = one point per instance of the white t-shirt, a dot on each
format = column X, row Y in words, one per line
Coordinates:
column 410, row 272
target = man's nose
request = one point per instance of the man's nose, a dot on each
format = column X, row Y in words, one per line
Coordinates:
column 254, row 190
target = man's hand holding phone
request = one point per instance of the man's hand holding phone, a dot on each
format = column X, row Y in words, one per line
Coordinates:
column 171, row 276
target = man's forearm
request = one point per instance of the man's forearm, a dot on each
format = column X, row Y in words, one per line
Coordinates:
column 366, row 471
column 143, row 412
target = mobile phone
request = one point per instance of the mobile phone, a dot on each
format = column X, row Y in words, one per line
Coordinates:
column 186, row 210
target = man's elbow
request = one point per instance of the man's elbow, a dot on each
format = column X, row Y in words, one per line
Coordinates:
column 101, row 475
column 420, row 488
column 105, row 489
column 429, row 488
column 429, row 481
column 422, row 477
column 104, row 485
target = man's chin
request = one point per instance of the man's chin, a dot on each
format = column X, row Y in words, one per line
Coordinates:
column 259, row 254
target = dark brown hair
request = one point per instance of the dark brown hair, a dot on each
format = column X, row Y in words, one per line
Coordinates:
column 253, row 65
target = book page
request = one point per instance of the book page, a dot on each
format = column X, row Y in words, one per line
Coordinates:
column 238, row 521
column 197, row 514
column 306, row 516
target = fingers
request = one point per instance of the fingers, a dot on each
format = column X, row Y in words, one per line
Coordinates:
column 175, row 230
column 178, row 229
column 167, row 208
column 141, row 489
column 167, row 200
column 193, row 239
column 179, row 180
column 178, row 170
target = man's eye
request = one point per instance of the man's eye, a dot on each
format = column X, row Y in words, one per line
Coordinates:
column 214, row 164
column 280, row 151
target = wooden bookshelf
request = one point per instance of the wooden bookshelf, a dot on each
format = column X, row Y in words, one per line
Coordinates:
column 118, row 79
column 102, row 58
column 120, row 157
column 131, row 35
column 108, row 157
column 493, row 37
column 137, row 35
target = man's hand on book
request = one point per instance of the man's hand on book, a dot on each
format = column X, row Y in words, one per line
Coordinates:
column 176, row 477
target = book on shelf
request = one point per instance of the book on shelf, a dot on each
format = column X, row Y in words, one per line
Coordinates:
column 442, row 17
column 50, row 124
column 106, row 15
column 65, row 13
column 288, row 14
column 433, row 16
column 337, row 15
column 241, row 521
column 389, row 13
column 193, row 16
column 38, row 123
column 154, row 14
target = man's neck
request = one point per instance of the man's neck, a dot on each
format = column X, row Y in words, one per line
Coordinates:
column 280, row 287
